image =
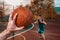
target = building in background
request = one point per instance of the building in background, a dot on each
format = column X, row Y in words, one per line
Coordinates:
column 39, row 7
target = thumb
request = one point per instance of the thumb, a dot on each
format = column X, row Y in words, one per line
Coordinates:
column 19, row 28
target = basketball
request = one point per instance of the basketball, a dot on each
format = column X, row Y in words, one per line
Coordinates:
column 24, row 17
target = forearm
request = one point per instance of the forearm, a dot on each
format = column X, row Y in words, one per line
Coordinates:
column 4, row 35
column 35, row 22
column 44, row 22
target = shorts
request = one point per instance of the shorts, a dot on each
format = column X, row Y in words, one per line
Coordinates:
column 41, row 30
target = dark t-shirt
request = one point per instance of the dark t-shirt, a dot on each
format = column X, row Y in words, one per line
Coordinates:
column 41, row 25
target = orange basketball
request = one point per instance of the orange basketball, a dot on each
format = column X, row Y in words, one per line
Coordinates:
column 24, row 17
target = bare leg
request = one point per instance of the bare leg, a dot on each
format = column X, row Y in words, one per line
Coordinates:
column 43, row 36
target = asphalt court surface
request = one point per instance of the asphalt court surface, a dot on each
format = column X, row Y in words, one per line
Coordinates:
column 52, row 33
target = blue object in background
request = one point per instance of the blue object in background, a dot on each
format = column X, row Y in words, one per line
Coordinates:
column 57, row 6
column 7, row 17
column 57, row 9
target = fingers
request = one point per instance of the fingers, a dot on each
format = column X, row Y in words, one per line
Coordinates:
column 19, row 28
column 14, row 17
column 32, row 0
column 10, row 17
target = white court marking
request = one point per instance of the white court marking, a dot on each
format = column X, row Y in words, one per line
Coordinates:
column 32, row 31
column 21, row 32
column 23, row 37
column 47, row 33
column 53, row 34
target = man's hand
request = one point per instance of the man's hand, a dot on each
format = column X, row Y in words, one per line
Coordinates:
column 11, row 27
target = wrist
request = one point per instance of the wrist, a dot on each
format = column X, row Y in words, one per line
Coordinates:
column 7, row 31
column 4, row 34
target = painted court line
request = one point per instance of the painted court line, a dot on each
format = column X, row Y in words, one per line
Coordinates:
column 21, row 32
column 53, row 34
column 23, row 37
column 47, row 33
